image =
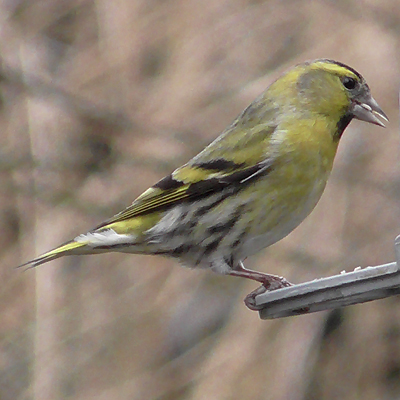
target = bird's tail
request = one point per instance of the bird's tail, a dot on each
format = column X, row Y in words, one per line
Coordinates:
column 65, row 249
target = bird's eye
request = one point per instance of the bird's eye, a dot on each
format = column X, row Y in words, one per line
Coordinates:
column 349, row 83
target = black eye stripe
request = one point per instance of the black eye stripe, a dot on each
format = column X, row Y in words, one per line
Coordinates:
column 349, row 83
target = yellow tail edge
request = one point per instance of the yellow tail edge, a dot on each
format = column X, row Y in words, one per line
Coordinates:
column 63, row 250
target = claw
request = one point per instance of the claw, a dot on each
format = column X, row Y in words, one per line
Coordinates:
column 277, row 283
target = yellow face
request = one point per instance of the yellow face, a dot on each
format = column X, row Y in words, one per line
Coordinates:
column 327, row 88
column 321, row 87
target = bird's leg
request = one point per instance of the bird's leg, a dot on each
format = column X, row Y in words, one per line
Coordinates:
column 268, row 281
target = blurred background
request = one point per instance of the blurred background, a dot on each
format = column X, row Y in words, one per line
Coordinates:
column 99, row 99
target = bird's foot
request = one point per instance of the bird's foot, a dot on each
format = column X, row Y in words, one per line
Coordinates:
column 273, row 283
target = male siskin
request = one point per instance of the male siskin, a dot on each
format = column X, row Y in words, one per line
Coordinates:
column 251, row 186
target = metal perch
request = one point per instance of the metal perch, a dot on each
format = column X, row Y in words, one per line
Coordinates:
column 359, row 286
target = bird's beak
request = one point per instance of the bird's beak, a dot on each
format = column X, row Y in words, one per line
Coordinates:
column 368, row 110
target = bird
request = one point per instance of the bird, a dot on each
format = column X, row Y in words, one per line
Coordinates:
column 250, row 187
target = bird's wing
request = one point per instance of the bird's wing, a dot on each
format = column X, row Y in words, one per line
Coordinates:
column 203, row 179
column 236, row 158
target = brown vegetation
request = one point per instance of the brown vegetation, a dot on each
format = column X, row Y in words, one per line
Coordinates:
column 100, row 99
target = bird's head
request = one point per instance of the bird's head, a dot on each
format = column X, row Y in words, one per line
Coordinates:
column 336, row 87
column 327, row 88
